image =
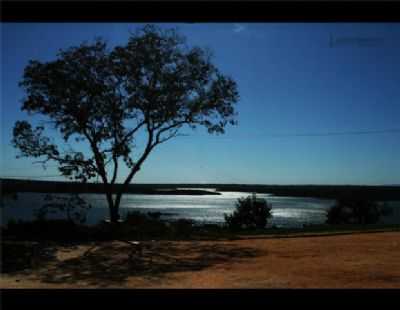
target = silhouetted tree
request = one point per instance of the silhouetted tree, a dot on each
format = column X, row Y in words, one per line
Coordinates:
column 111, row 99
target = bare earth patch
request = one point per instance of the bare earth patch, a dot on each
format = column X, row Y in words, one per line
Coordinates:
column 348, row 261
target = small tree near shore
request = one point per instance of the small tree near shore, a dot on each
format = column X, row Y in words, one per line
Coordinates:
column 250, row 213
column 109, row 101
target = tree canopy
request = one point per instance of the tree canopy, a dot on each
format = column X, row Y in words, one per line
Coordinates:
column 155, row 84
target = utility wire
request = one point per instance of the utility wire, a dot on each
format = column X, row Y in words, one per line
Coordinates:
column 316, row 134
column 339, row 133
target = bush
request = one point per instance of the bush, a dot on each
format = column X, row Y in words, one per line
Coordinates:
column 182, row 227
column 145, row 225
column 56, row 229
column 17, row 256
column 154, row 215
column 355, row 211
column 73, row 206
column 137, row 218
column 250, row 213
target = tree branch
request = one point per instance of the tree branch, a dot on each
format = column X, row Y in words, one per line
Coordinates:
column 98, row 158
column 114, row 177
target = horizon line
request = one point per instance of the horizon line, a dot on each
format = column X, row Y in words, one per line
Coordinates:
column 194, row 183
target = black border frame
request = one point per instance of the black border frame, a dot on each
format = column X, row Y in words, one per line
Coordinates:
column 184, row 298
column 215, row 11
column 200, row 11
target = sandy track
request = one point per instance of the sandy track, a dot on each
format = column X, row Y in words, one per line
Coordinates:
column 349, row 261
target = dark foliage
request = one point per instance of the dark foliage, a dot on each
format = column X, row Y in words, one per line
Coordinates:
column 145, row 225
column 102, row 99
column 56, row 229
column 17, row 256
column 136, row 226
column 250, row 213
column 356, row 211
column 150, row 225
column 20, row 255
column 74, row 208
column 183, row 227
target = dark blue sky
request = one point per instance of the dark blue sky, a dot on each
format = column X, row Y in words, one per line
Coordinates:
column 292, row 78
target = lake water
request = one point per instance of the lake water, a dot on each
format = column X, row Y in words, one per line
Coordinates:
column 287, row 212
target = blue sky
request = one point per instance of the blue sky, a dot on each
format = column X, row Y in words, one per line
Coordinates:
column 293, row 79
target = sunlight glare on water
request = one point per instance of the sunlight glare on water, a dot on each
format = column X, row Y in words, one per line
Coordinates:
column 286, row 211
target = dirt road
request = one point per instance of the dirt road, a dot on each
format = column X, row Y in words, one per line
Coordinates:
column 370, row 260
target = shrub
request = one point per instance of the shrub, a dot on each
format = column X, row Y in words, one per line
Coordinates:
column 145, row 225
column 17, row 256
column 154, row 215
column 182, row 227
column 250, row 213
column 73, row 206
column 355, row 211
column 136, row 218
column 44, row 229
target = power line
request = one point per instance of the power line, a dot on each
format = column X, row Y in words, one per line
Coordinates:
column 340, row 133
column 315, row 134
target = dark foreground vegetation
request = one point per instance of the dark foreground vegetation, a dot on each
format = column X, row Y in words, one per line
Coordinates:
column 356, row 211
column 250, row 214
column 26, row 245
column 378, row 193
column 249, row 218
column 24, row 241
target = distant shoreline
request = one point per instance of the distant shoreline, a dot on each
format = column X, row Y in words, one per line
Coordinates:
column 21, row 186
column 381, row 193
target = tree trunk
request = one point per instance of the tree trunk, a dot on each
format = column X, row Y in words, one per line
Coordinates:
column 118, row 200
column 113, row 208
column 114, row 214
